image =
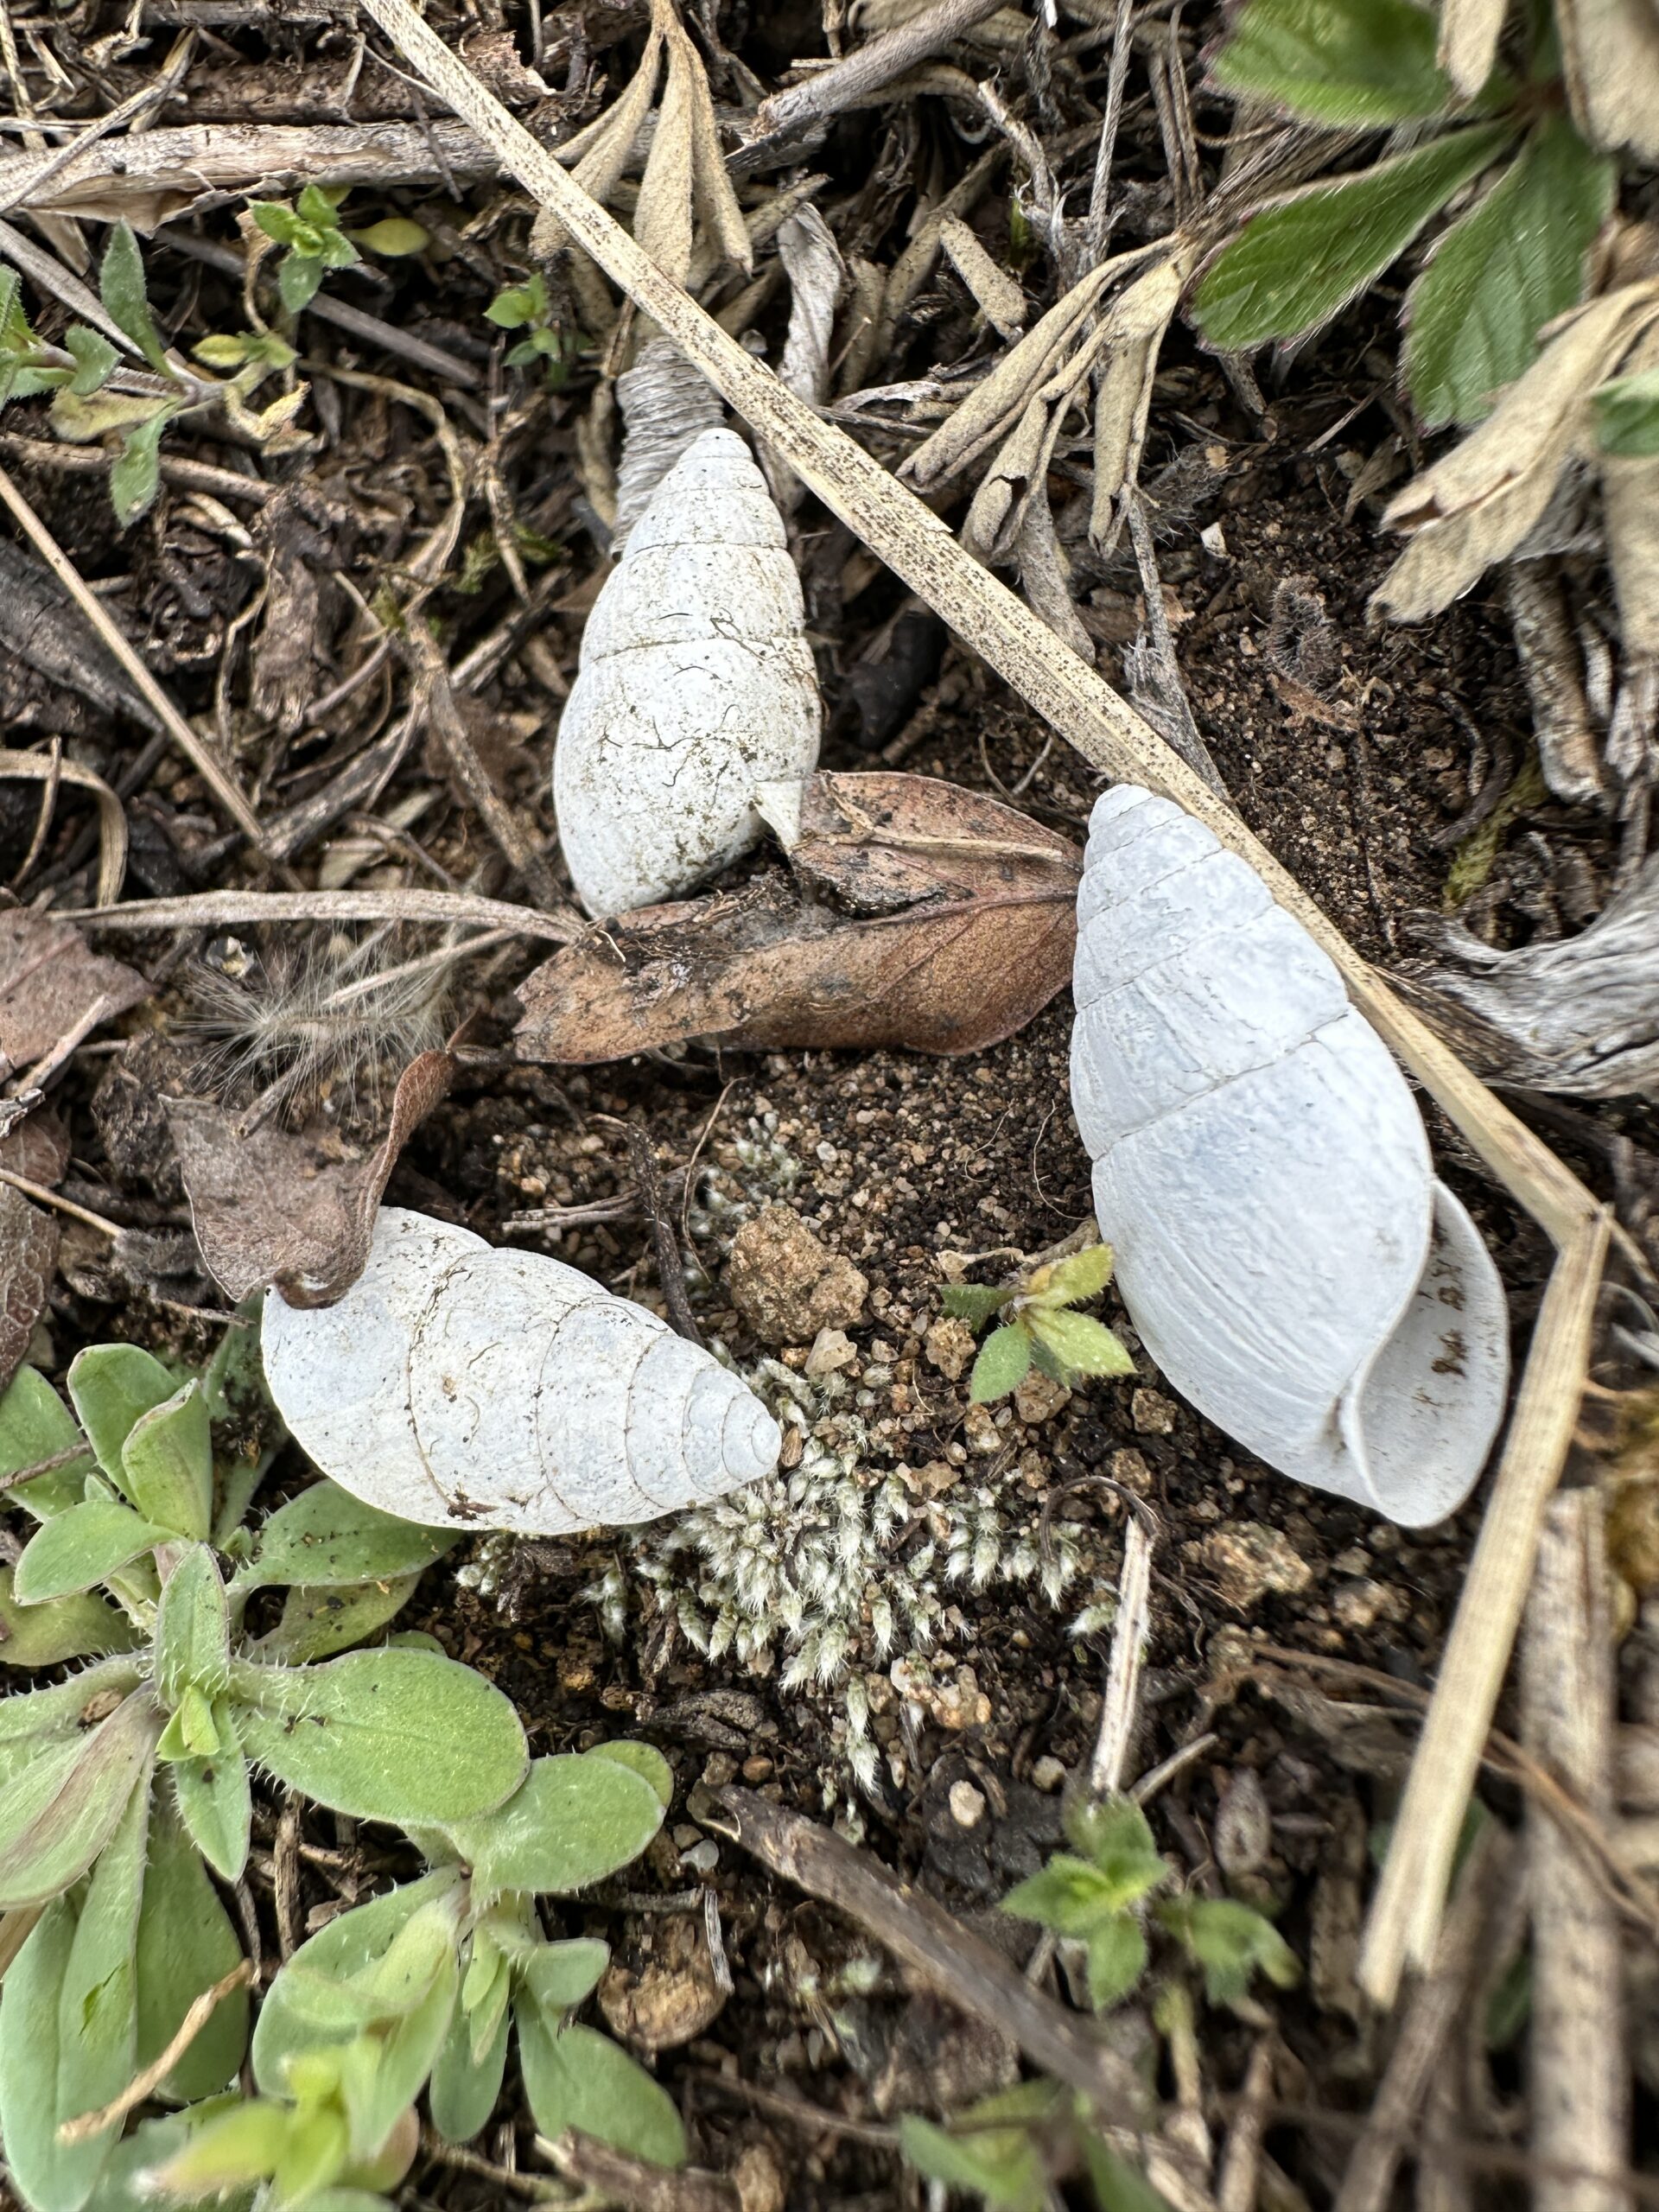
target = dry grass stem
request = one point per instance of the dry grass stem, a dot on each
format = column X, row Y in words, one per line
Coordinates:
column 51, row 769
column 238, row 909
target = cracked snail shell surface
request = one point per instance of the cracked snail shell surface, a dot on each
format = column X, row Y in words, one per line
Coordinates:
column 503, row 1389
column 696, row 684
column 1262, row 1172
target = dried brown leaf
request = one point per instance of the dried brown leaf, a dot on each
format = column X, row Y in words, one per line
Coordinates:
column 51, row 985
column 28, row 1259
column 1135, row 327
column 1610, row 56
column 271, row 1208
column 1478, row 504
column 37, row 1149
column 999, row 295
column 604, row 147
column 951, row 925
column 1629, row 497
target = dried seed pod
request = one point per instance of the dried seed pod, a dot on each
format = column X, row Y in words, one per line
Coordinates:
column 696, row 684
column 457, row 1383
column 1264, row 1174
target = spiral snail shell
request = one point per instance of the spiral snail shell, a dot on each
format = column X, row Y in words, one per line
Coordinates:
column 696, row 684
column 454, row 1382
column 1262, row 1172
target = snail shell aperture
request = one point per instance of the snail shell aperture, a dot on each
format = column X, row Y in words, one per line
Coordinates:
column 1262, row 1174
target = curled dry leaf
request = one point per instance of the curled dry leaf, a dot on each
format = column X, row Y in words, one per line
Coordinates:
column 920, row 915
column 52, row 987
column 1479, row 503
column 1610, row 57
column 273, row 1208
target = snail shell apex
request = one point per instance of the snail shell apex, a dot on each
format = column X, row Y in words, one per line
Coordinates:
column 454, row 1382
column 1263, row 1175
column 696, row 684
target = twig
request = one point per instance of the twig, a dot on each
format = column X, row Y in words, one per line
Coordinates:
column 994, row 622
column 957, row 1964
column 229, row 909
column 670, row 1273
column 526, row 861
column 68, row 1457
column 111, row 818
column 1435, row 2006
column 1121, row 1702
column 613, row 2177
column 222, row 785
column 1241, row 2162
column 1098, row 229
column 47, row 165
column 42, row 1197
column 1567, row 751
column 93, row 460
column 1176, row 721
column 800, row 2111
column 1580, row 2069
column 788, row 117
column 88, row 2124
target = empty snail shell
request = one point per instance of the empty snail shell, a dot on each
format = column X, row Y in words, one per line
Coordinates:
column 1263, row 1175
column 454, row 1382
column 696, row 684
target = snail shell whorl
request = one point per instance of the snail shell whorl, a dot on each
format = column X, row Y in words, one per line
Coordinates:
column 1262, row 1174
column 504, row 1390
column 696, row 684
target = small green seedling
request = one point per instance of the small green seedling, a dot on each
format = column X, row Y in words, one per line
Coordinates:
column 1039, row 1329
column 526, row 307
column 313, row 240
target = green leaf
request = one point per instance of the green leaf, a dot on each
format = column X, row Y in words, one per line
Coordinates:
column 1118, row 2186
column 276, row 220
column 74, row 1627
column 1503, row 271
column 166, row 1464
column 110, row 1386
column 136, row 477
column 1117, row 1958
column 463, row 2089
column 1112, row 1835
column 337, row 1951
column 60, row 1811
column 577, row 1818
column 576, row 2077
column 193, row 1629
column 325, row 1537
column 400, row 1736
column 560, row 1975
column 321, row 203
column 643, row 1758
column 186, row 1944
column 299, row 280
column 36, row 1425
column 190, row 1733
column 49, row 2176
column 122, row 289
column 1295, row 265
column 85, row 1545
column 1003, row 1359
column 95, row 357
column 235, row 2148
column 518, row 304
column 214, row 1798
column 31, row 1720
column 1001, row 2164
column 1627, row 424
column 394, row 236
column 98, row 2003
column 1347, row 62
column 1080, row 1344
column 315, row 1624
column 1068, row 1895
column 1079, row 1276
column 975, row 1302
column 1231, row 1942
column 219, row 350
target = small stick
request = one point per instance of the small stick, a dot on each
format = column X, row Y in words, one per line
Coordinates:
column 93, row 460
column 994, row 622
column 1122, row 1699
column 670, row 1273
column 53, row 769
column 1098, row 229
column 526, row 861
column 960, row 1966
column 42, row 1197
column 1580, row 2069
column 228, row 909
column 788, row 115
column 1241, row 2162
column 88, row 2124
column 223, row 785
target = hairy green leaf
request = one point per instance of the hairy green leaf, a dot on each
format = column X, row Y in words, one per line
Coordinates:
column 316, row 1624
column 35, row 1425
column 60, row 1811
column 1295, row 265
column 1071, row 1281
column 121, row 287
column 299, row 280
column 1503, row 271
column 75, row 1549
column 975, row 1302
column 1003, row 1359
column 193, row 1629
column 1117, row 1958
column 167, row 1464
column 31, row 1720
column 1627, row 424
column 1231, row 1942
column 401, row 1736
column 1347, row 62
column 95, row 357
column 50, row 2177
column 186, row 1944
column 1068, row 1895
column 1112, row 1835
column 576, row 2077
column 136, row 477
column 214, row 1798
column 1001, row 2164
column 560, row 1975
column 577, row 1817
column 1081, row 1345
column 327, row 1538
column 464, row 2090
column 75, row 1627
column 644, row 1759
column 110, row 1386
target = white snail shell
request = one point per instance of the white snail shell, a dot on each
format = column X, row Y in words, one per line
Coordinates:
column 1263, row 1175
column 456, row 1382
column 696, row 684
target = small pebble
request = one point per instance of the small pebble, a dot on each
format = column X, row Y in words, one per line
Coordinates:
column 1047, row 1774
column 832, row 1348
column 757, row 1769
column 1151, row 1413
column 702, row 1858
column 967, row 1805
